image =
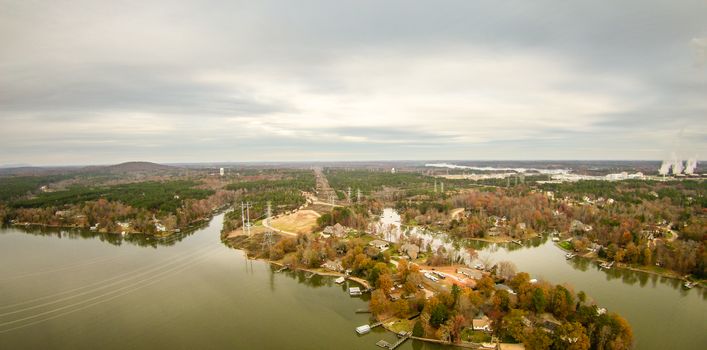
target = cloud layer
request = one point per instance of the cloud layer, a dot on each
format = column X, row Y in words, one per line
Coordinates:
column 89, row 82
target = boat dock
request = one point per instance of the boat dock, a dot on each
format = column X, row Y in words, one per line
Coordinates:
column 385, row 345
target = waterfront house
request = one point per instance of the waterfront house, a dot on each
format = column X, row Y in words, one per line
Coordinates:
column 502, row 286
column 481, row 324
column 333, row 265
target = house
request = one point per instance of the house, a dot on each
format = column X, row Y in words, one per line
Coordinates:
column 481, row 324
column 577, row 225
column 549, row 325
column 336, row 231
column 471, row 273
column 411, row 250
column 159, row 227
column 333, row 265
column 502, row 286
column 381, row 245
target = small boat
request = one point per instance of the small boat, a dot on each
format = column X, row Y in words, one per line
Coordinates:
column 354, row 291
column 555, row 239
column 569, row 256
column 606, row 265
column 309, row 275
column 363, row 329
column 518, row 242
column 689, row 285
column 339, row 280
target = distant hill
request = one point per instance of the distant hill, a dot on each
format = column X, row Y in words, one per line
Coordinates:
column 130, row 167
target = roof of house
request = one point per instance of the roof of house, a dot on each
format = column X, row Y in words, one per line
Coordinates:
column 502, row 286
column 378, row 243
column 473, row 273
column 410, row 249
column 481, row 322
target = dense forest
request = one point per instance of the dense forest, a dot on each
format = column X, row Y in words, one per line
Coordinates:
column 106, row 204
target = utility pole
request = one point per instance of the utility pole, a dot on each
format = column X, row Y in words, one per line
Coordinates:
column 358, row 195
column 441, row 184
column 348, row 194
column 435, row 186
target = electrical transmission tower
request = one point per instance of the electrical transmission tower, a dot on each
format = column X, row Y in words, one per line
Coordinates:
column 269, row 214
column 441, row 184
column 245, row 216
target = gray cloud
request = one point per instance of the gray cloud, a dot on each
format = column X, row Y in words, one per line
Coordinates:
column 87, row 82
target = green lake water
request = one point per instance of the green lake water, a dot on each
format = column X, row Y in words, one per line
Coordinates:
column 76, row 290
column 62, row 289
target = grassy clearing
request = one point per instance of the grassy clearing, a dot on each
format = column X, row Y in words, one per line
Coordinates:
column 565, row 245
column 303, row 221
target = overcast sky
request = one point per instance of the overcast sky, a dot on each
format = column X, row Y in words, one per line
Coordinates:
column 98, row 82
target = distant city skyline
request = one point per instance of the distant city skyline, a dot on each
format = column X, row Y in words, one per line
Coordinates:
column 87, row 82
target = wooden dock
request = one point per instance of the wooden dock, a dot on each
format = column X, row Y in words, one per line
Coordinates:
column 363, row 311
column 385, row 345
column 400, row 341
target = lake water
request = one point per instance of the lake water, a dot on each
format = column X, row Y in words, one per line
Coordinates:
column 88, row 291
column 663, row 314
column 79, row 290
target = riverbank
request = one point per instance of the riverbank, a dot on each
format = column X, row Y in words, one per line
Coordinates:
column 636, row 268
column 319, row 272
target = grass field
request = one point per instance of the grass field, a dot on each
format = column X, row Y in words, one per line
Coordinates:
column 303, row 221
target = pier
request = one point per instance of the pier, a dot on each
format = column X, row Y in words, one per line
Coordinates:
column 385, row 345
